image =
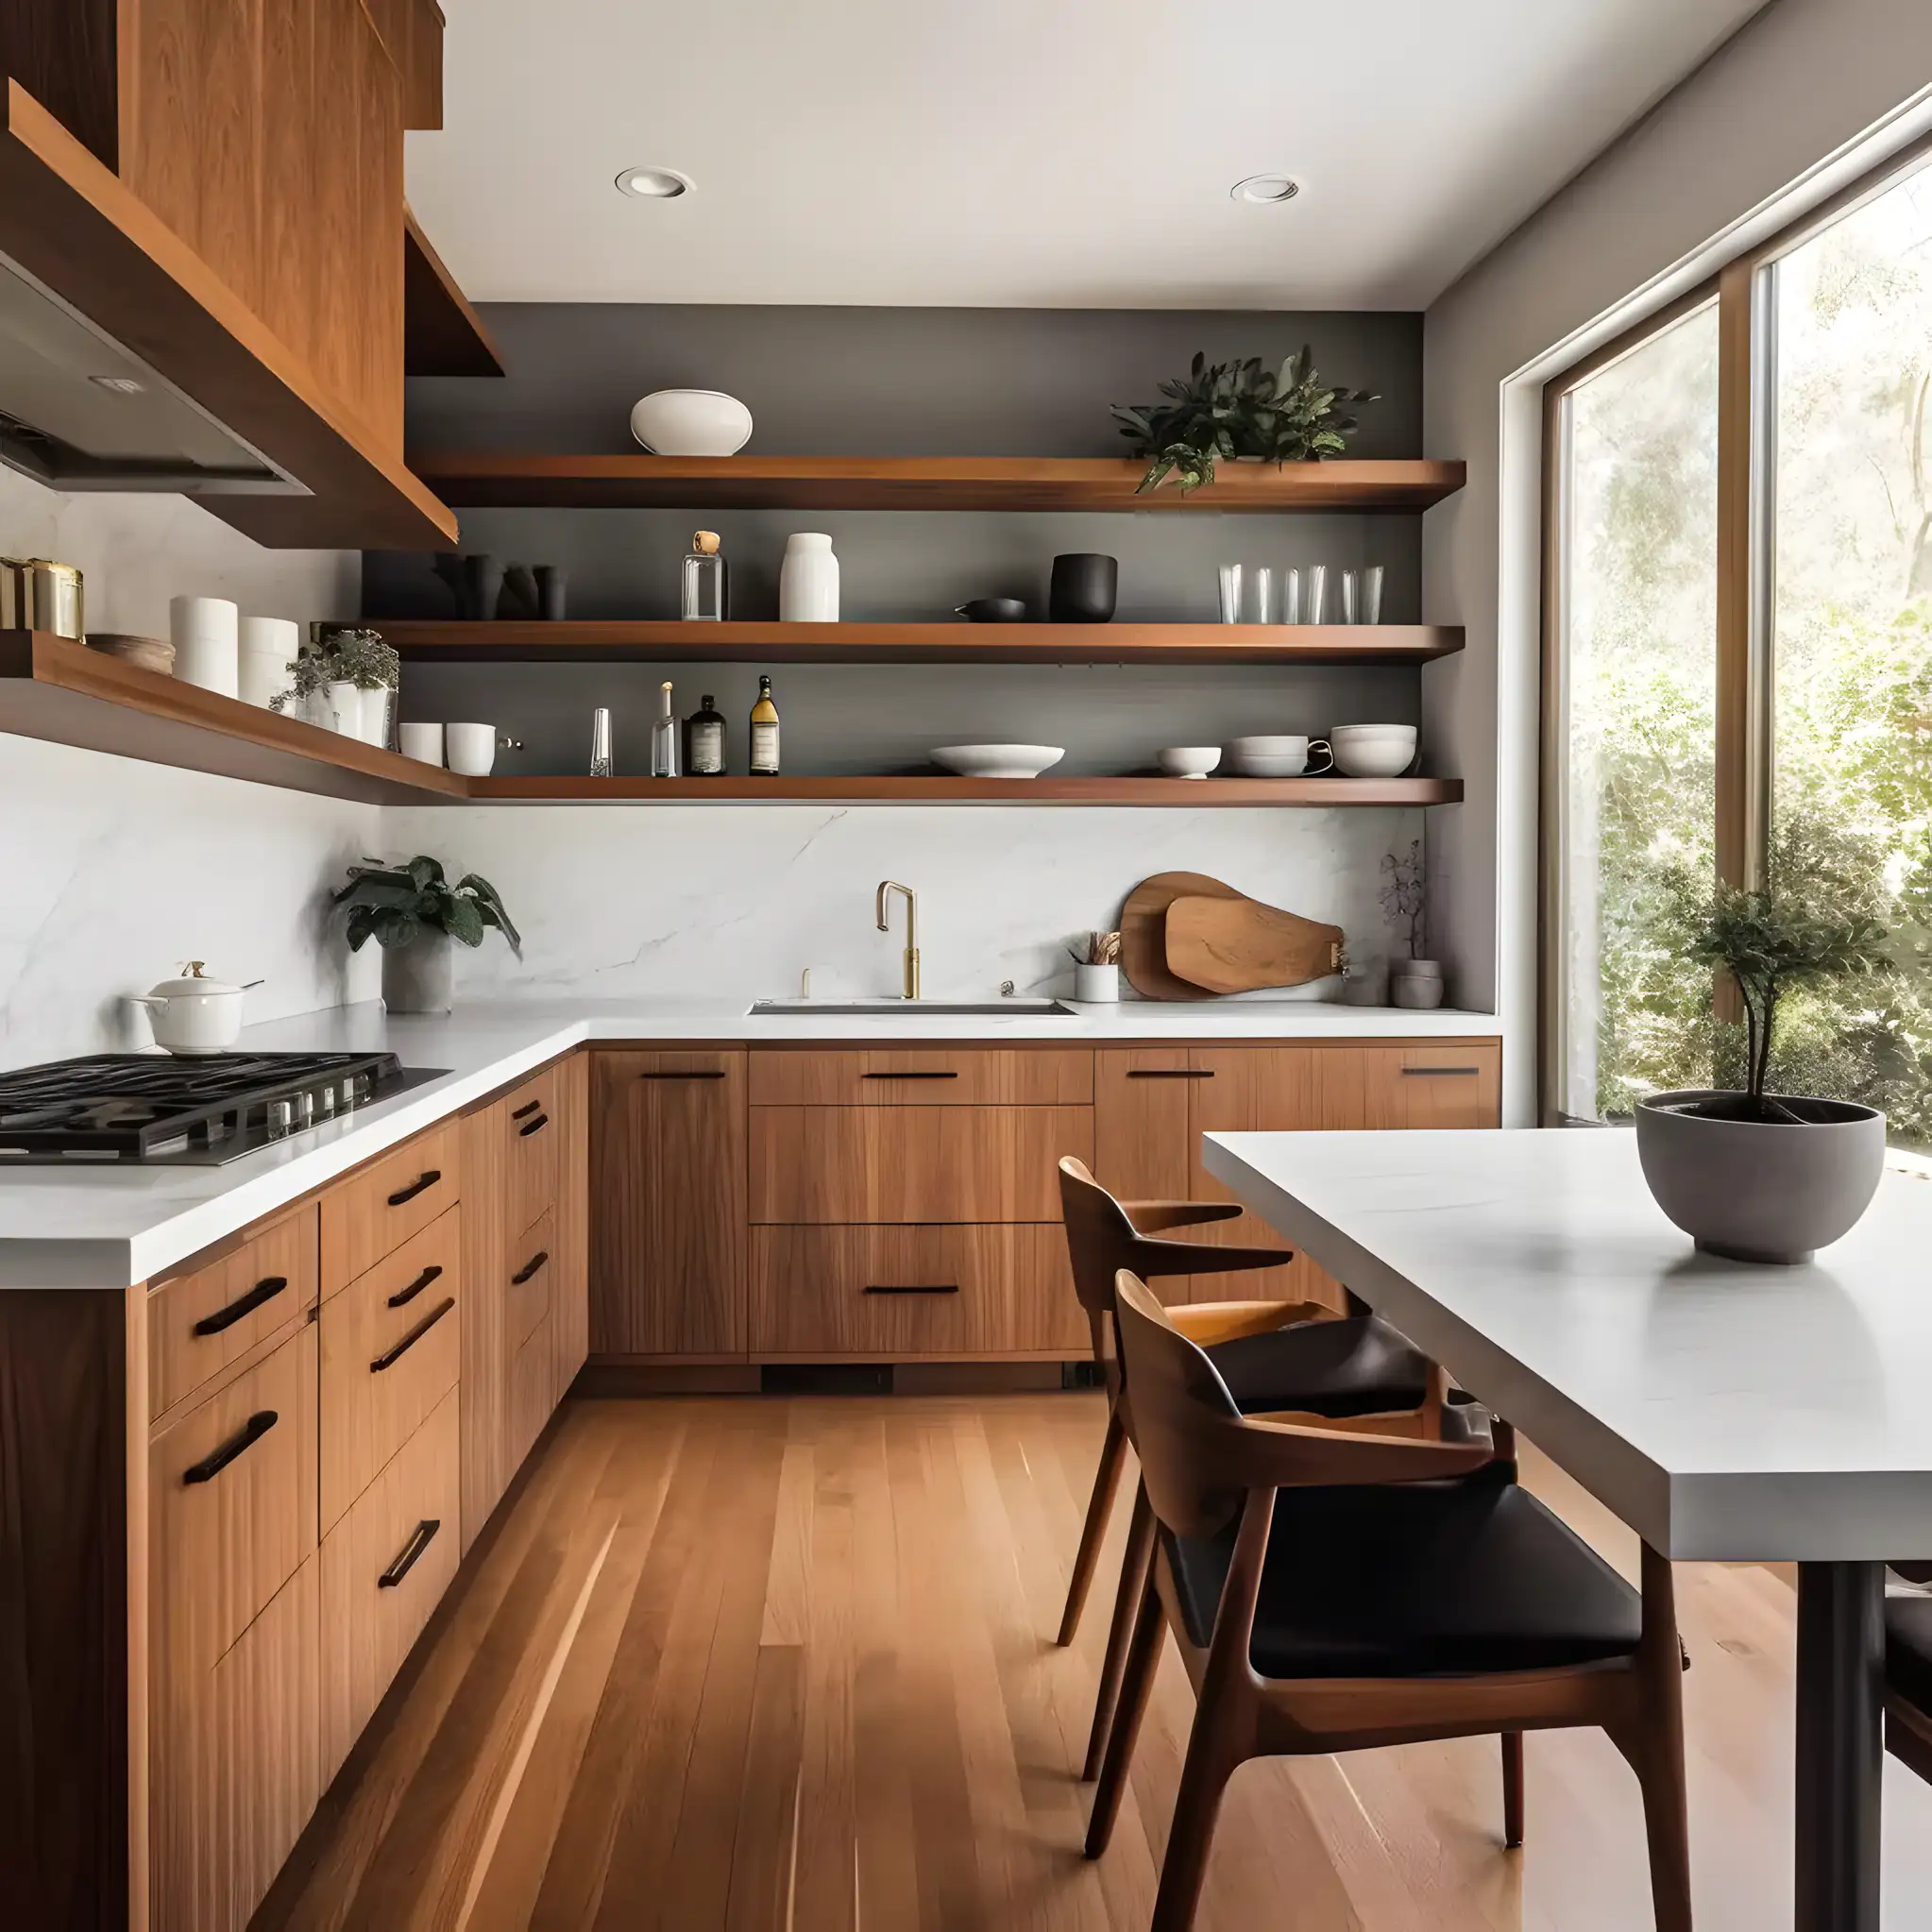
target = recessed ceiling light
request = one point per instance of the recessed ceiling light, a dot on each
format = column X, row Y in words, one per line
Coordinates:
column 654, row 184
column 1274, row 188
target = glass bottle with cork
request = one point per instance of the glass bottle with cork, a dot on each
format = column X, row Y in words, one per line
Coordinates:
column 707, row 581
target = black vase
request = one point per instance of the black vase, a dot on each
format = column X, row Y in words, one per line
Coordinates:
column 482, row 582
column 1083, row 589
column 549, row 592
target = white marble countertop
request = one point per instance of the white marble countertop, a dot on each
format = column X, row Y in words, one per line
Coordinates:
column 102, row 1227
column 1726, row 1411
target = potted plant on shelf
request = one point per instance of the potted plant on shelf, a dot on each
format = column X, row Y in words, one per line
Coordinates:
column 1234, row 412
column 417, row 917
column 1746, row 1173
column 1414, row 981
column 346, row 680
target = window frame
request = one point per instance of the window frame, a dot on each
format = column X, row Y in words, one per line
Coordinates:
column 1746, row 584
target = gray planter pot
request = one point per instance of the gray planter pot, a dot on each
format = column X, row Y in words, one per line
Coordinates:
column 420, row 978
column 1760, row 1191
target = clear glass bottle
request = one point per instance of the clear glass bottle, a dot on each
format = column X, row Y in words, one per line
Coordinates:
column 664, row 738
column 704, row 741
column 600, row 765
column 764, row 733
column 708, row 581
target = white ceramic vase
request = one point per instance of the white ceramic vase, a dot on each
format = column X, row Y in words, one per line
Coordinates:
column 691, row 422
column 207, row 637
column 269, row 647
column 808, row 580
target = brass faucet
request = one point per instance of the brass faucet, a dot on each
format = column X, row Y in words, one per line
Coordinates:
column 911, row 930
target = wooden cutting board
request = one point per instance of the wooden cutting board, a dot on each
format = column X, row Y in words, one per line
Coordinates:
column 1143, row 933
column 1240, row 945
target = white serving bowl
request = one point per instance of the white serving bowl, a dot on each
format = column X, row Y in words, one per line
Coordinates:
column 691, row 422
column 1364, row 731
column 1189, row 761
column 998, row 761
column 1374, row 757
column 1272, row 757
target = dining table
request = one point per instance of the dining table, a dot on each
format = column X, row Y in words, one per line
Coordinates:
column 1726, row 1411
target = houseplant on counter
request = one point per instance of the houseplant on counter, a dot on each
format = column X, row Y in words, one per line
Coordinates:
column 1746, row 1173
column 1230, row 411
column 415, row 916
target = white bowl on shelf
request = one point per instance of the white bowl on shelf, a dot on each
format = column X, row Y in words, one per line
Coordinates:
column 1373, row 751
column 691, row 422
column 998, row 761
column 1275, row 755
column 1189, row 761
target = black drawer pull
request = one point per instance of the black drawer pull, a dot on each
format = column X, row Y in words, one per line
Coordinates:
column 1169, row 1074
column 264, row 1290
column 530, row 1268
column 912, row 1288
column 404, row 1295
column 1425, row 1072
column 251, row 1432
column 416, row 1186
column 698, row 1074
column 420, row 1538
column 914, row 1073
column 414, row 1336
column 533, row 1127
column 524, row 1111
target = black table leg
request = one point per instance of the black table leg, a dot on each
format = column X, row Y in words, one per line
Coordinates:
column 1841, row 1687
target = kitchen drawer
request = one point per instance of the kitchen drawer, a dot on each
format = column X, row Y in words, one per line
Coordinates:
column 923, row 1077
column 373, row 1212
column 232, row 1502
column 531, row 1131
column 199, row 1323
column 384, row 1568
column 897, row 1292
column 532, row 1267
column 532, row 1393
column 392, row 1348
column 1442, row 1084
column 817, row 1164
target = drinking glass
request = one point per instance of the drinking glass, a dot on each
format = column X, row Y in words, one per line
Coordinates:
column 1317, row 593
column 1230, row 593
column 1264, row 595
column 1351, row 596
column 1291, row 595
column 1371, row 595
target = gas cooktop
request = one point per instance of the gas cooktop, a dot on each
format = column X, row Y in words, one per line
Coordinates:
column 157, row 1109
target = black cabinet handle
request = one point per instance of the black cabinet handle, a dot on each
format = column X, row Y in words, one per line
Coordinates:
column 414, row 1336
column 533, row 1127
column 416, row 1186
column 404, row 1295
column 1169, row 1074
column 1428, row 1073
column 699, row 1074
column 912, row 1288
column 914, row 1073
column 419, row 1539
column 264, row 1290
column 246, row 1438
column 530, row 1268
column 527, row 1108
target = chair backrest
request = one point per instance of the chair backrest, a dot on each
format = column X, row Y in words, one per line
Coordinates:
column 1100, row 1239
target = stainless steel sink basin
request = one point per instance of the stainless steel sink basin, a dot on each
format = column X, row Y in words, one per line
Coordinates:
column 888, row 1009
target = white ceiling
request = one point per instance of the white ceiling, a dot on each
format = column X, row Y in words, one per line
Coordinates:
column 1024, row 153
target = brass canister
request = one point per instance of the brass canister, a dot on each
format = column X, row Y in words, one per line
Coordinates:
column 51, row 598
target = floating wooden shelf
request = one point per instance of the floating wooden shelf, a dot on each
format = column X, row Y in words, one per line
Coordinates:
column 599, row 641
column 489, row 478
column 1187, row 793
column 52, row 688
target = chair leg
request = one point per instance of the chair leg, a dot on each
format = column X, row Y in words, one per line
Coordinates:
column 1658, row 1757
column 1513, row 1789
column 1137, row 1683
column 1212, row 1757
column 1099, row 1507
column 1133, row 1581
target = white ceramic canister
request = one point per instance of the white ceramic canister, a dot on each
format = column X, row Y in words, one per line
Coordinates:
column 1095, row 985
column 268, row 647
column 206, row 631
column 808, row 580
column 422, row 741
column 471, row 748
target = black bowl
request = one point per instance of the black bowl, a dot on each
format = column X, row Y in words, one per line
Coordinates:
column 993, row 610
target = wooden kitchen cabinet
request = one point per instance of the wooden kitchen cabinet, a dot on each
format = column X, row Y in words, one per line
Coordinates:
column 669, row 1207
column 570, row 1265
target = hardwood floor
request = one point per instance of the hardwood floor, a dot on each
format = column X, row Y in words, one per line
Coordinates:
column 748, row 1664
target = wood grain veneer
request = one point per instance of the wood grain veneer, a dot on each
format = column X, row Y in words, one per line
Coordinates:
column 570, row 1265
column 533, row 1132
column 923, row 1076
column 66, row 54
column 1192, row 795
column 377, row 1209
column 442, row 333
column 486, row 1462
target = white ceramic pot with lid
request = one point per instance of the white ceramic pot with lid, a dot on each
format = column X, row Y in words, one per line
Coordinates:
column 195, row 1013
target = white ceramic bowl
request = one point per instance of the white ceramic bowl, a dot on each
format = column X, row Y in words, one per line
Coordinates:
column 691, row 422
column 998, row 761
column 1373, row 757
column 1365, row 732
column 1276, row 757
column 1189, row 761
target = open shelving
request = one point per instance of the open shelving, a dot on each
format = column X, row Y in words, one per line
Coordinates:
column 918, row 789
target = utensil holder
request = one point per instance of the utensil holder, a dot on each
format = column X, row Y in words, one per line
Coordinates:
column 1097, row 985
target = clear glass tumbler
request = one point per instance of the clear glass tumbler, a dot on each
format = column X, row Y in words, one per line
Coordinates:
column 1230, row 593
column 1291, row 595
column 1263, row 599
column 1317, row 593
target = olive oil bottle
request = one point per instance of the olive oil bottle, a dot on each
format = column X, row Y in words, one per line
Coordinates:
column 764, row 733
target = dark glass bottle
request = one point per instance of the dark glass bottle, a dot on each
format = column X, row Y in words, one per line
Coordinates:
column 704, row 741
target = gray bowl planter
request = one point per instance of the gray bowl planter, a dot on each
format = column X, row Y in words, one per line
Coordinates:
column 420, row 978
column 1760, row 1191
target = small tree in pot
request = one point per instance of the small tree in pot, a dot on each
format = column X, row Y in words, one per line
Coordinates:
column 413, row 914
column 1747, row 1173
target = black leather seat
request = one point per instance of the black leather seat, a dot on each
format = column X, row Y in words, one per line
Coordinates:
column 1357, row 1367
column 1418, row 1578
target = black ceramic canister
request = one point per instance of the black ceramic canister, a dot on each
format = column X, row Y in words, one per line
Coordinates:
column 1083, row 589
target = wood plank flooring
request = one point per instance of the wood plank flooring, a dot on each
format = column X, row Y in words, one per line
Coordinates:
column 786, row 1665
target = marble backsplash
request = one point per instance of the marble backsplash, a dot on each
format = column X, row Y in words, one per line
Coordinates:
column 730, row 901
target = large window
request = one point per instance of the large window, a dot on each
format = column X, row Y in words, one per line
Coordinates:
column 1738, row 644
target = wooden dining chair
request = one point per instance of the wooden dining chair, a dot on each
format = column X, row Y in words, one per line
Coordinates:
column 1275, row 1356
column 1331, row 1591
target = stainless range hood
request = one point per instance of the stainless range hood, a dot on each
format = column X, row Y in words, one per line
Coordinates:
column 77, row 412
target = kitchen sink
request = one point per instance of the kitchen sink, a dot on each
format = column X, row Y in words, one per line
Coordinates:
column 887, row 1009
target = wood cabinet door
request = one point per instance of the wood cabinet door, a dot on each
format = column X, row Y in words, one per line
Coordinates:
column 485, row 1421
column 570, row 1264
column 1449, row 1084
column 668, row 1204
column 1142, row 1133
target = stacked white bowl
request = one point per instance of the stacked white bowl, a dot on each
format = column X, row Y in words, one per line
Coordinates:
column 1373, row 751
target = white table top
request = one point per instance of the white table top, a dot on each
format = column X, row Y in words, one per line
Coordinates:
column 1726, row 1411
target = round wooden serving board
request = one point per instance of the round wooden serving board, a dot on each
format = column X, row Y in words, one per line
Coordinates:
column 1143, row 933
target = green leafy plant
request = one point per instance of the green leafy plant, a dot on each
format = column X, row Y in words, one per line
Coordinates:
column 1812, row 923
column 392, row 904
column 348, row 655
column 1226, row 410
